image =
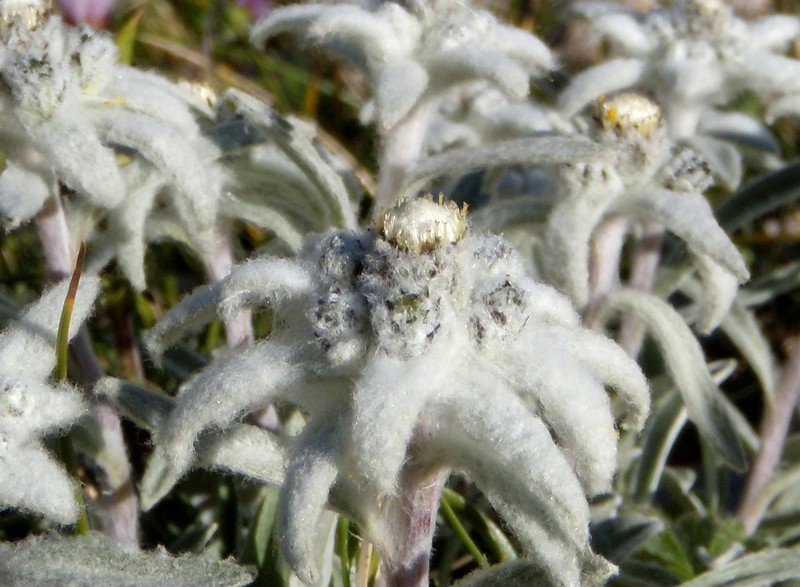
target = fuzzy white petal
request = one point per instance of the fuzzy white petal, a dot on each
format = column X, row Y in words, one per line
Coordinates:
column 32, row 480
column 80, row 159
column 608, row 363
column 447, row 68
column 571, row 402
column 29, row 408
column 22, row 194
column 541, row 499
column 387, row 401
column 774, row 32
column 262, row 281
column 397, row 90
column 191, row 314
column 310, row 475
column 606, row 78
column 568, row 235
column 214, row 398
column 27, row 347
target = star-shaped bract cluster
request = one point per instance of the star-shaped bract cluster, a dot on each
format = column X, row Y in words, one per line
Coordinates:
column 407, row 361
column 126, row 142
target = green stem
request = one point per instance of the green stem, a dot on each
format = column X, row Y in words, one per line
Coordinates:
column 62, row 349
column 343, row 531
column 461, row 532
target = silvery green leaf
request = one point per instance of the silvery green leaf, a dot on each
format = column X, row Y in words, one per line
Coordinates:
column 290, row 136
column 398, row 88
column 782, row 280
column 739, row 128
column 722, row 157
column 178, row 159
column 539, row 150
column 503, row 213
column 689, row 216
column 759, row 569
column 715, row 294
column 662, row 429
column 447, row 68
column 93, row 559
column 618, row 537
column 146, row 408
column 264, row 216
column 518, row 573
column 22, row 194
column 764, row 194
column 684, row 360
column 602, row 79
column 741, row 327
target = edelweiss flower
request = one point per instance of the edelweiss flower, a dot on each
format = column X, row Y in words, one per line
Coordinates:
column 412, row 59
column 406, row 54
column 413, row 350
column 30, row 479
column 696, row 57
column 72, row 115
column 652, row 181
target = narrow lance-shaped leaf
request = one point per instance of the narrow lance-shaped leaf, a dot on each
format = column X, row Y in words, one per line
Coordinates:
column 542, row 150
column 761, row 196
column 684, row 360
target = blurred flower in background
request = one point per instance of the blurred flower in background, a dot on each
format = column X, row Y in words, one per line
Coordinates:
column 257, row 8
column 94, row 12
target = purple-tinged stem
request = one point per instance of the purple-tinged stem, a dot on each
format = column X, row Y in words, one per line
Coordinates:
column 409, row 564
column 643, row 273
column 774, row 428
column 239, row 329
column 117, row 506
column 604, row 267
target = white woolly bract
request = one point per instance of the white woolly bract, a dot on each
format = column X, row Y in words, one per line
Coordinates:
column 407, row 364
column 22, row 194
column 30, row 479
column 27, row 347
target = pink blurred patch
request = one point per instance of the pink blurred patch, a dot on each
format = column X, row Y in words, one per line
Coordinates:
column 257, row 8
column 94, row 12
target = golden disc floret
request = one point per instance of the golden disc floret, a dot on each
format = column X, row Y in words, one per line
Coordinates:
column 421, row 224
column 629, row 111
